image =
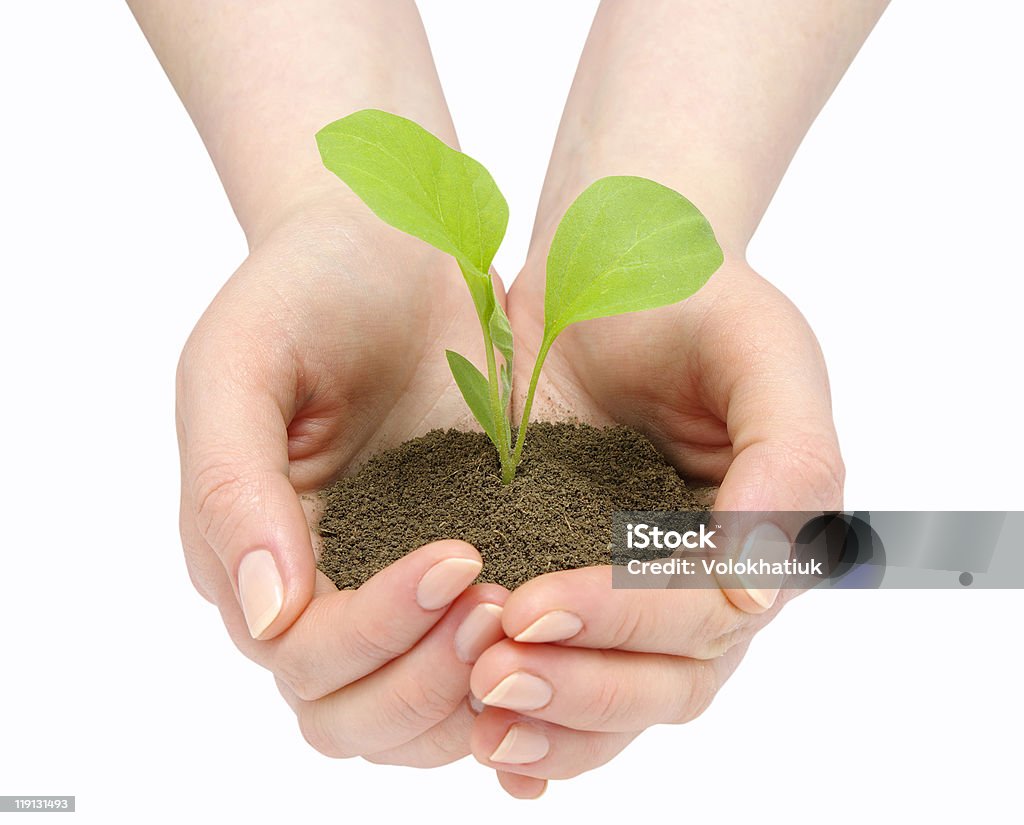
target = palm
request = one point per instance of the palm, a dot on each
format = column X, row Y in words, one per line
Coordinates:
column 672, row 372
column 363, row 368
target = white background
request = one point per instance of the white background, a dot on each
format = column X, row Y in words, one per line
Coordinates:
column 896, row 231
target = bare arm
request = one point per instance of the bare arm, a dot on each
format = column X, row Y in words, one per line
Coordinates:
column 260, row 78
column 322, row 346
column 710, row 97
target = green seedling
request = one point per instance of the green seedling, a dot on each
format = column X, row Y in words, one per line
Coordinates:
column 625, row 244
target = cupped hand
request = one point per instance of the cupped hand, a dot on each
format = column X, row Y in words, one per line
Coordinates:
column 732, row 387
column 326, row 345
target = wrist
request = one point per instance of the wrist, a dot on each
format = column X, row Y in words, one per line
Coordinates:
column 335, row 232
column 307, row 207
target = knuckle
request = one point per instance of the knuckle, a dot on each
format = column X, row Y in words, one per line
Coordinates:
column 719, row 629
column 819, row 463
column 441, row 745
column 374, row 643
column 449, row 743
column 417, row 706
column 703, row 687
column 590, row 752
column 301, row 683
column 319, row 737
column 589, row 756
column 221, row 492
column 604, row 705
column 716, row 647
column 628, row 624
column 308, row 672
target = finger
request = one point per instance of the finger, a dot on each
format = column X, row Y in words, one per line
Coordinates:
column 580, row 608
column 410, row 695
column 753, row 559
column 598, row 690
column 232, row 412
column 522, row 787
column 786, row 454
column 528, row 747
column 444, row 743
column 773, row 487
column 344, row 635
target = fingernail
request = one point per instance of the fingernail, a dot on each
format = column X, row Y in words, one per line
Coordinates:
column 260, row 590
column 444, row 581
column 519, row 691
column 764, row 546
column 521, row 745
column 475, row 704
column 556, row 626
column 478, row 631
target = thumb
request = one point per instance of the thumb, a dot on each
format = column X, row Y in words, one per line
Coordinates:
column 238, row 505
column 786, row 468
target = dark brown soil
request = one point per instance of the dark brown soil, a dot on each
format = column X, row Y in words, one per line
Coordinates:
column 556, row 515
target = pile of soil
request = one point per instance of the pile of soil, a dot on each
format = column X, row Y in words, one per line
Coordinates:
column 556, row 515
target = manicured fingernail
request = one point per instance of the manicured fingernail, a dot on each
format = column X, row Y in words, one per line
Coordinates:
column 522, row 744
column 478, row 631
column 519, row 691
column 766, row 545
column 475, row 704
column 443, row 582
column 260, row 590
column 556, row 626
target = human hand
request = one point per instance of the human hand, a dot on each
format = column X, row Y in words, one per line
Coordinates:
column 732, row 387
column 326, row 345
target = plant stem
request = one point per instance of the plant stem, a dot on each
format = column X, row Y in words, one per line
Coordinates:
column 508, row 467
column 517, row 453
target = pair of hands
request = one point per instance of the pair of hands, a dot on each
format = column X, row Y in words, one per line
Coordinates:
column 328, row 345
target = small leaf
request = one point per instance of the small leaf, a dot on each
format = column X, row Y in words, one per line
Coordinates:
column 501, row 336
column 473, row 385
column 626, row 244
column 481, row 289
column 501, row 333
column 506, row 384
column 420, row 185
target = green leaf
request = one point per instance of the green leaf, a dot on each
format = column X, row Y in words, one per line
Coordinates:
column 505, row 375
column 420, row 185
column 626, row 244
column 473, row 385
column 501, row 334
column 501, row 337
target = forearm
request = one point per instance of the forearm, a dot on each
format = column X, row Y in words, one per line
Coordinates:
column 260, row 78
column 710, row 97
